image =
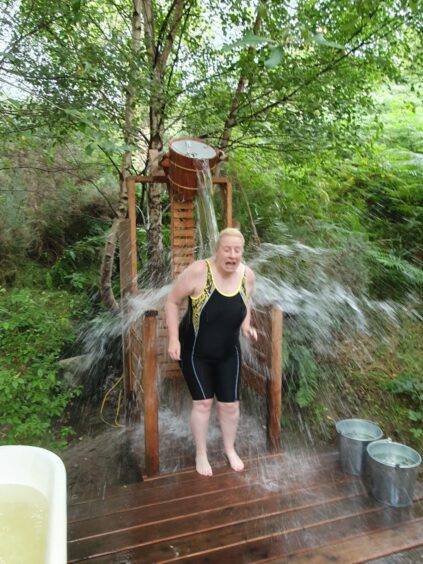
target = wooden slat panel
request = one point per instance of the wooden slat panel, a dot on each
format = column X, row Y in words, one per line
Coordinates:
column 187, row 242
column 184, row 223
column 182, row 262
column 179, row 214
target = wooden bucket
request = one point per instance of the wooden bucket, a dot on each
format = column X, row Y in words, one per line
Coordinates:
column 186, row 156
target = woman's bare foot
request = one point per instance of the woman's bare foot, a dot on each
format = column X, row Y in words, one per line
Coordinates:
column 234, row 461
column 202, row 465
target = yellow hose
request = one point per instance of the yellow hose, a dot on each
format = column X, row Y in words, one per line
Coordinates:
column 116, row 424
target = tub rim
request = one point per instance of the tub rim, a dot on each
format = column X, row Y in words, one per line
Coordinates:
column 390, row 442
column 377, row 438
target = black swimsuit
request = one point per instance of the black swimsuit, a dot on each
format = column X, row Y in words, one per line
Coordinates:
column 209, row 335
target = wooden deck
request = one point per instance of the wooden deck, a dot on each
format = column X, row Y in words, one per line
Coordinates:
column 282, row 508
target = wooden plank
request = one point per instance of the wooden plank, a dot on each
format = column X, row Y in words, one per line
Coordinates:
column 224, row 515
column 183, row 206
column 153, row 179
column 288, row 545
column 379, row 544
column 182, row 260
column 184, row 242
column 182, row 214
column 258, row 467
column 151, row 399
column 140, row 495
column 184, row 223
column 277, row 536
column 409, row 556
column 182, row 252
column 220, row 180
column 184, row 234
column 237, row 497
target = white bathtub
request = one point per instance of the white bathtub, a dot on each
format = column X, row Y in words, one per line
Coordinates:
column 45, row 472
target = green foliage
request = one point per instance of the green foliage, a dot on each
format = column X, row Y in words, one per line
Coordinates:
column 34, row 328
column 51, row 201
column 306, row 369
column 410, row 386
column 77, row 269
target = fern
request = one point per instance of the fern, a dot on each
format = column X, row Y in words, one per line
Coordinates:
column 392, row 262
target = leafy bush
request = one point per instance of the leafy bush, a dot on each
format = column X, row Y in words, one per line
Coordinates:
column 34, row 327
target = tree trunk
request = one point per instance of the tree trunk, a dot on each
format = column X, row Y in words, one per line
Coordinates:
column 241, row 86
column 158, row 52
column 106, row 270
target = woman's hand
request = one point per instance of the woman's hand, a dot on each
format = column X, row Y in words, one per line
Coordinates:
column 250, row 332
column 174, row 349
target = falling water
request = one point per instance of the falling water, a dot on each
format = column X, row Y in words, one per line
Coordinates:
column 206, row 216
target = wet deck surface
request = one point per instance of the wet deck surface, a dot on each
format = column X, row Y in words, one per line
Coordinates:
column 282, row 508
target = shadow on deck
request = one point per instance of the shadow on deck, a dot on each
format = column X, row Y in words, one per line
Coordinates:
column 283, row 507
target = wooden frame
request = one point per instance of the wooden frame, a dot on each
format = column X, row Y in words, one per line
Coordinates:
column 141, row 342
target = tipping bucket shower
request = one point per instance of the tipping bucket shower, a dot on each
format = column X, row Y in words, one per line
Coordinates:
column 353, row 437
column 393, row 472
column 186, row 155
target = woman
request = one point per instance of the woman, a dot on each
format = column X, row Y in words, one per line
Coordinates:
column 206, row 342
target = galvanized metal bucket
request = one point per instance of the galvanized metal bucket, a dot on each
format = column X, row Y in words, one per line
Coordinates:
column 393, row 472
column 353, row 437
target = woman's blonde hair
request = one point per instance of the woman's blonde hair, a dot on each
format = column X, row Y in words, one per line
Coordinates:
column 229, row 232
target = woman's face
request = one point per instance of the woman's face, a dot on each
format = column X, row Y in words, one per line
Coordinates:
column 229, row 253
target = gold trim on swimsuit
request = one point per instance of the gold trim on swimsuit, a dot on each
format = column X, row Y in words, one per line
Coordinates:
column 198, row 302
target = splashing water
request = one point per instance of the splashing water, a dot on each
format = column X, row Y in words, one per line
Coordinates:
column 320, row 311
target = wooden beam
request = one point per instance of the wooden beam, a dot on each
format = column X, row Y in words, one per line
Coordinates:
column 151, row 399
column 130, row 347
column 227, row 210
column 153, row 178
column 132, row 235
column 274, row 384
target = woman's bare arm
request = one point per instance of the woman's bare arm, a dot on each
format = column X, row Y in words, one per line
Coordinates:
column 188, row 283
column 247, row 328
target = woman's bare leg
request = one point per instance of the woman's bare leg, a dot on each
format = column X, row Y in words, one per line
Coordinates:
column 229, row 417
column 200, row 416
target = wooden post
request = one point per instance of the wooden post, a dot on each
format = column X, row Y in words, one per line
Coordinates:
column 125, row 290
column 274, row 384
column 132, row 235
column 129, row 287
column 151, row 400
column 227, row 207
